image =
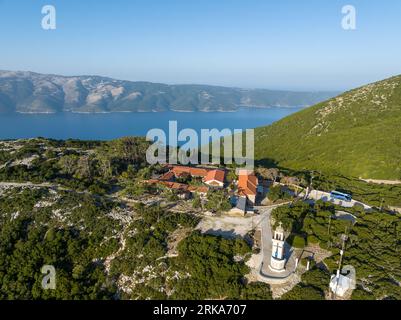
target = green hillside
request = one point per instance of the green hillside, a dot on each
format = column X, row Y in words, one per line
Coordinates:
column 355, row 134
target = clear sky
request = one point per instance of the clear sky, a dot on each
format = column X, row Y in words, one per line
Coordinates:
column 282, row 44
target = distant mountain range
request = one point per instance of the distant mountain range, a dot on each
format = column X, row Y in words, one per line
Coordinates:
column 356, row 134
column 29, row 92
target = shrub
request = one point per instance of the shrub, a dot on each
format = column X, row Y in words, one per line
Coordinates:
column 276, row 193
column 256, row 291
column 301, row 292
column 360, row 294
column 298, row 242
column 311, row 239
column 196, row 202
column 218, row 201
column 97, row 189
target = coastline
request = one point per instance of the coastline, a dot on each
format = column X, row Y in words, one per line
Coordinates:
column 242, row 107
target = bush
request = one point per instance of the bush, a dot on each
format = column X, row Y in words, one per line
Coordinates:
column 277, row 193
column 137, row 189
column 172, row 196
column 311, row 239
column 97, row 189
column 196, row 202
column 218, row 201
column 298, row 242
column 312, row 287
column 301, row 292
column 360, row 294
column 256, row 291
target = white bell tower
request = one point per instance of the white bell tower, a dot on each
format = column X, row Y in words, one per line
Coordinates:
column 277, row 262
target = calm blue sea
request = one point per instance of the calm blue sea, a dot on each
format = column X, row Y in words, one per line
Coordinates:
column 107, row 126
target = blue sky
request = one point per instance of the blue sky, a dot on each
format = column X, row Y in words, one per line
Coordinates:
column 286, row 44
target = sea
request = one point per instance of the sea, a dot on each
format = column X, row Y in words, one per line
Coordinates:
column 108, row 126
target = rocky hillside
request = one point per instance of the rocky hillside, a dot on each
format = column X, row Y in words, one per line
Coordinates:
column 82, row 207
column 38, row 93
column 355, row 134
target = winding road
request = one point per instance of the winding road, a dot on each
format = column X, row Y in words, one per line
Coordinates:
column 266, row 248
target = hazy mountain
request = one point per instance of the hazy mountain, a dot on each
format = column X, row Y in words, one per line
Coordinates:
column 37, row 93
column 357, row 133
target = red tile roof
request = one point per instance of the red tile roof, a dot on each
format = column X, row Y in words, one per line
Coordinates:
column 247, row 184
column 198, row 189
column 167, row 176
column 217, row 175
column 168, row 184
column 208, row 174
column 178, row 171
column 179, row 186
column 197, row 172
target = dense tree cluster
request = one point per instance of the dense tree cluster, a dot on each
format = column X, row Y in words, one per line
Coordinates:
column 213, row 270
column 218, row 201
column 313, row 286
column 278, row 193
column 30, row 237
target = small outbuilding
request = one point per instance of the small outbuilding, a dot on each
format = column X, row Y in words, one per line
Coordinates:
column 240, row 207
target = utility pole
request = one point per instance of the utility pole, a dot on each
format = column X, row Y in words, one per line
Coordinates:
column 328, row 232
column 381, row 205
column 344, row 238
column 311, row 182
column 275, row 179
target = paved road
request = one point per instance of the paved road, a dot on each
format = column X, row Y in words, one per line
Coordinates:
column 315, row 195
column 266, row 248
